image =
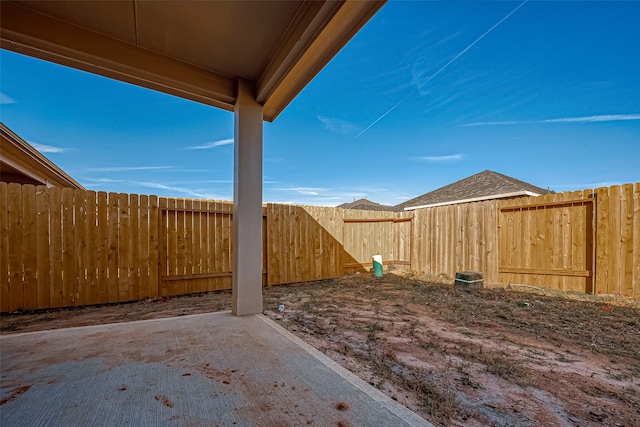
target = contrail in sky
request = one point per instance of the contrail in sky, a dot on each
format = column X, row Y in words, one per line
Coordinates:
column 444, row 67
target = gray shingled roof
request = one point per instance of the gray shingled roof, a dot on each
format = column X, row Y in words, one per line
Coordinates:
column 483, row 184
column 366, row 205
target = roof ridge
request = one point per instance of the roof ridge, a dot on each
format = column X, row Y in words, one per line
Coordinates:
column 479, row 184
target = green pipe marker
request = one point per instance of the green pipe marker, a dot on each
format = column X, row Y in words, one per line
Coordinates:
column 377, row 266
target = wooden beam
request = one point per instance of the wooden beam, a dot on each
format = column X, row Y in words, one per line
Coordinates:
column 366, row 220
column 546, row 205
column 370, row 264
column 44, row 37
column 342, row 25
column 546, row 271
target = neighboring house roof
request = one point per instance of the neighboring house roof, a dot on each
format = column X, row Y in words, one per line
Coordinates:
column 485, row 185
column 23, row 164
column 366, row 205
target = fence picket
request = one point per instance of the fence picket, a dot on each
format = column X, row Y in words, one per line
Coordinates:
column 134, row 247
column 614, row 244
column 29, row 250
column 56, row 295
column 68, row 250
column 143, row 249
column 602, row 239
column 625, row 278
column 14, row 212
column 113, row 290
column 636, row 240
column 196, row 240
column 124, row 247
column 80, row 246
column 102, row 246
column 155, row 247
column 91, row 255
column 43, row 261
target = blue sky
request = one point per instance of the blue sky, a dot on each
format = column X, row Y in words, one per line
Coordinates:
column 426, row 94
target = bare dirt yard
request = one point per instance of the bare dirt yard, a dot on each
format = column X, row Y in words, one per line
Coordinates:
column 492, row 357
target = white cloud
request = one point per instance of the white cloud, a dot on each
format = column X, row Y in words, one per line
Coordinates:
column 318, row 201
column 194, row 193
column 582, row 119
column 171, row 189
column 206, row 181
column 510, row 122
column 274, row 160
column 129, row 168
column 583, row 186
column 47, row 148
column 102, row 180
column 307, row 191
column 592, row 119
column 338, row 125
column 440, row 159
column 6, row 99
column 213, row 144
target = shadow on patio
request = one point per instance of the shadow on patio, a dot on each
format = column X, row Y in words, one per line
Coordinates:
column 205, row 369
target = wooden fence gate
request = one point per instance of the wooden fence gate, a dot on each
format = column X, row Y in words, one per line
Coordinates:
column 194, row 247
column 548, row 244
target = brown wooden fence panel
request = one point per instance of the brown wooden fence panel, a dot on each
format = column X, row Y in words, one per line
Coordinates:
column 447, row 239
column 286, row 230
column 368, row 233
column 311, row 243
column 195, row 249
column 617, row 240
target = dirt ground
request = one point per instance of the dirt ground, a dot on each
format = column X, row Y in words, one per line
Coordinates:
column 492, row 357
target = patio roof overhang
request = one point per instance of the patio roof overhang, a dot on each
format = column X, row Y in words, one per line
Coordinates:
column 249, row 57
column 192, row 49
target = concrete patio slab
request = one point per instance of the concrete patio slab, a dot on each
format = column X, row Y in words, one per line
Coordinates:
column 200, row 370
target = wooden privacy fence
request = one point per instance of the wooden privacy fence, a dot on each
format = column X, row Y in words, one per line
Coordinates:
column 64, row 247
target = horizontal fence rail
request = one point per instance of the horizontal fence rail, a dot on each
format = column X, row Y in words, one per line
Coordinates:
column 66, row 247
